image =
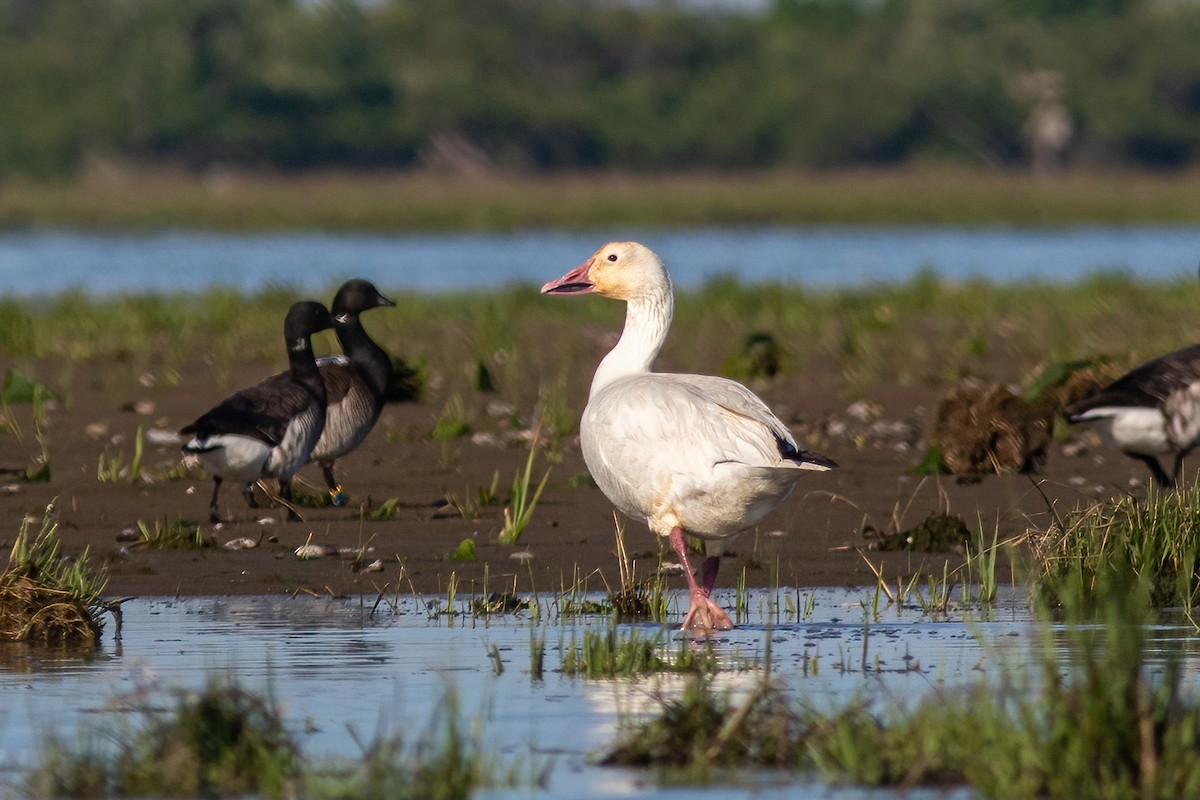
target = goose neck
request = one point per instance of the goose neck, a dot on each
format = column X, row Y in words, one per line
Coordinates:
column 303, row 363
column 647, row 320
column 369, row 358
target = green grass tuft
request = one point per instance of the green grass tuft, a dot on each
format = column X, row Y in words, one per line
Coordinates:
column 609, row 654
column 1096, row 722
column 1156, row 539
column 46, row 597
column 180, row 534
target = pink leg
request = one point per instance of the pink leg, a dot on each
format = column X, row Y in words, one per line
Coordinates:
column 709, row 571
column 703, row 613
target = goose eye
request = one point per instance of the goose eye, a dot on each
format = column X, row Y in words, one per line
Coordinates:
column 612, row 257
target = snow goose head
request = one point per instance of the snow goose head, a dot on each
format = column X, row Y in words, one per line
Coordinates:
column 631, row 272
column 621, row 270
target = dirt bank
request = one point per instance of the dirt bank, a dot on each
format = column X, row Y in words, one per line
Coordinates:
column 812, row 539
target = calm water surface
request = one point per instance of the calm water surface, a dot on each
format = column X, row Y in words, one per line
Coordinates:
column 51, row 261
column 336, row 669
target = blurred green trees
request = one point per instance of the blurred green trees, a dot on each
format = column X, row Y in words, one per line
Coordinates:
column 570, row 84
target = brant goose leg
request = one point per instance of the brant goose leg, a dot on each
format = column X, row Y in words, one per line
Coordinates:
column 214, row 515
column 1157, row 472
column 335, row 488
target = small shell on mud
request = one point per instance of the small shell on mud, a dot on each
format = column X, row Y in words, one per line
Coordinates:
column 374, row 566
column 244, row 543
column 158, row 436
column 128, row 535
column 522, row 555
column 500, row 409
column 306, row 551
column 483, row 439
column 267, row 521
column 10, row 488
column 864, row 411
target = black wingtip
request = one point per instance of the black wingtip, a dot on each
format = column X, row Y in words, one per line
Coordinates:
column 790, row 452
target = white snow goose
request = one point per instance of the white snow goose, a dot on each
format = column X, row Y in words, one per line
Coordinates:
column 1151, row 410
column 691, row 454
column 270, row 428
column 355, row 382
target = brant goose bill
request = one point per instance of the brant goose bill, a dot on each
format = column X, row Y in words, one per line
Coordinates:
column 269, row 428
column 1152, row 410
column 690, row 454
column 355, row 382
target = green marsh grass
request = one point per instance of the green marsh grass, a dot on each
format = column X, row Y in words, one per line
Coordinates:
column 19, row 389
column 227, row 741
column 612, row 654
column 218, row 742
column 452, row 422
column 556, row 418
column 976, row 579
column 180, row 534
column 46, row 597
column 635, row 599
column 382, row 512
column 912, row 333
column 522, row 500
column 441, row 762
column 113, row 468
column 1156, row 538
column 471, row 504
column 464, row 552
column 537, row 654
column 1095, row 721
column 703, row 730
column 498, row 603
column 422, row 201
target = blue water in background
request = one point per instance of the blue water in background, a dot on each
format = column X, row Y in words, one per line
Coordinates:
column 40, row 262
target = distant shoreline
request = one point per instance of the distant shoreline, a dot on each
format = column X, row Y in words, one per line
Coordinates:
column 130, row 198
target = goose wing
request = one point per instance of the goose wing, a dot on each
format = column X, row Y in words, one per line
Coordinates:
column 736, row 419
column 685, row 423
column 262, row 411
column 1148, row 385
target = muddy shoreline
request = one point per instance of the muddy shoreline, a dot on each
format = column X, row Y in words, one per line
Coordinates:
column 813, row 539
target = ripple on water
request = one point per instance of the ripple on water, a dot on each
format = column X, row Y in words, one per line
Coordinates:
column 334, row 667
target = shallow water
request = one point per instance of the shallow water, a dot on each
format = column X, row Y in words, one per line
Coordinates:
column 336, row 668
column 40, row 262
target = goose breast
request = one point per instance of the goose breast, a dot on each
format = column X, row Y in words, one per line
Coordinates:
column 699, row 452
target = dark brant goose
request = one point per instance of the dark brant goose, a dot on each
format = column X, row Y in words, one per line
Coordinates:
column 355, row 382
column 1152, row 409
column 270, row 428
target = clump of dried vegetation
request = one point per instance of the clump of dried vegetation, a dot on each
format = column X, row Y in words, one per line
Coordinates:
column 46, row 597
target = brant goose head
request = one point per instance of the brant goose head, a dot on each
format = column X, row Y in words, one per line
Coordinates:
column 356, row 296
